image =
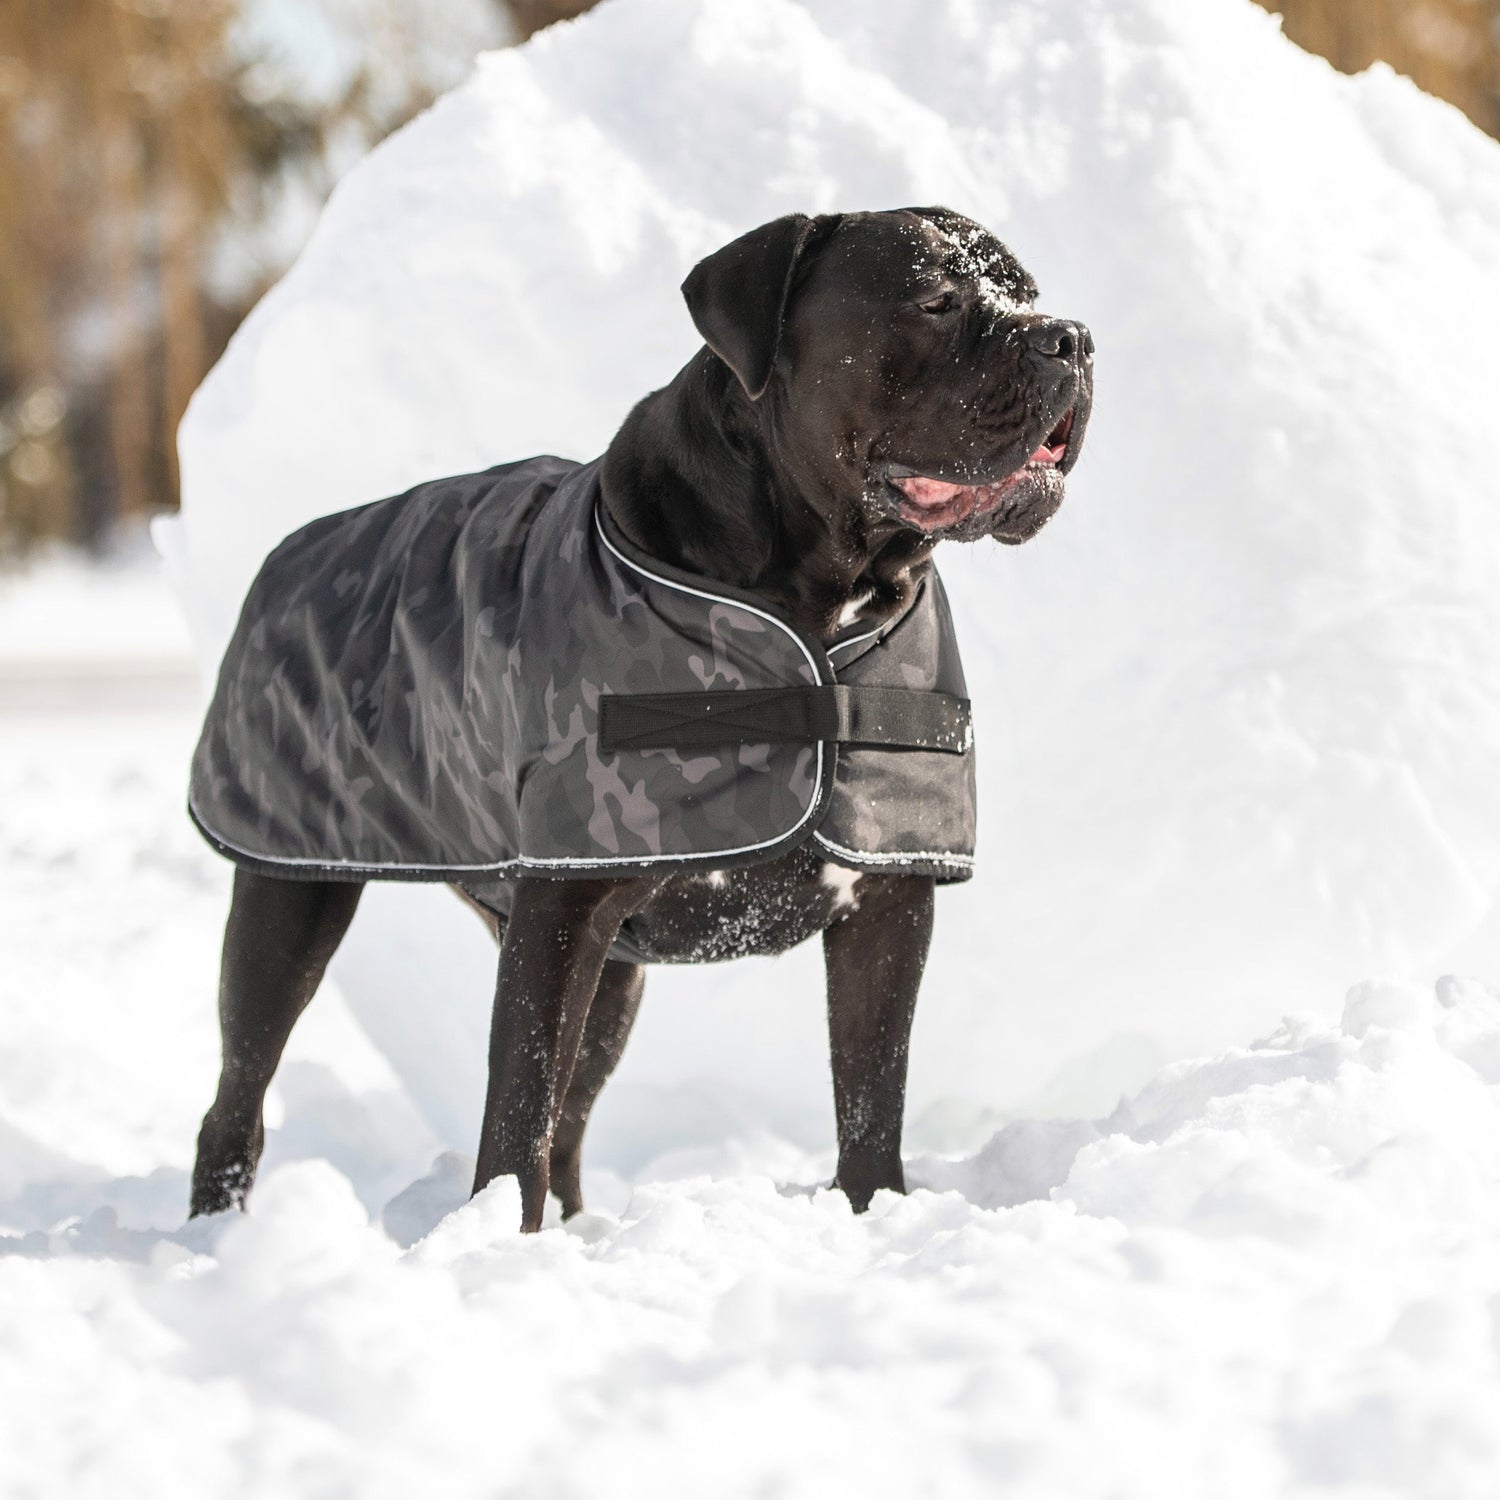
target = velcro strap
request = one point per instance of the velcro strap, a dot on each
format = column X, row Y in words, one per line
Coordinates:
column 852, row 715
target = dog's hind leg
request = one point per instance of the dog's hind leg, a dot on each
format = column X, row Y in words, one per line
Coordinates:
column 611, row 1015
column 277, row 943
column 874, row 956
column 555, row 946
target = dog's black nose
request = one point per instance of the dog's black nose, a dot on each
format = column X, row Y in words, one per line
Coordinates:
column 1060, row 339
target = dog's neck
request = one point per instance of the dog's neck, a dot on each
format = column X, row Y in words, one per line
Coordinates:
column 691, row 480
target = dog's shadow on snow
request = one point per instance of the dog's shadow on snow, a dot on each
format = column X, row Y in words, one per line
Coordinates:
column 79, row 1211
column 62, row 1205
column 55, row 1205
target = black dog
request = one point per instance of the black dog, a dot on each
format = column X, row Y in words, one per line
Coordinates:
column 872, row 384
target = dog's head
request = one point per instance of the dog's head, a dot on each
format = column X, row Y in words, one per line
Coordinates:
column 897, row 364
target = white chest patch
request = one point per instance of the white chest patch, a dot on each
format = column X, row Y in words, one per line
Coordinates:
column 841, row 881
column 850, row 612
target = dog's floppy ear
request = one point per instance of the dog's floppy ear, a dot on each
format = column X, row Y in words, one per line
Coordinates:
column 738, row 296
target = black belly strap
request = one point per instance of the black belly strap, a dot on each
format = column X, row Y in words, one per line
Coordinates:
column 846, row 714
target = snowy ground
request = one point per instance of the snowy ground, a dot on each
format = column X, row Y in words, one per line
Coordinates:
column 1273, row 1273
column 1237, row 710
column 1238, row 726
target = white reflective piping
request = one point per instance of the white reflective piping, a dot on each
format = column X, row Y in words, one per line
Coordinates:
column 856, row 856
column 714, row 598
column 801, row 645
column 336, row 864
column 854, row 640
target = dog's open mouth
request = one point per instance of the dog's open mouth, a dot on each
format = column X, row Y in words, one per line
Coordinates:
column 936, row 504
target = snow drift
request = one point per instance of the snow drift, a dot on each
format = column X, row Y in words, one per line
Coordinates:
column 1238, row 708
column 1274, row 1272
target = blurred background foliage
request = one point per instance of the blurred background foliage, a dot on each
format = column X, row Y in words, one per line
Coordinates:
column 161, row 162
column 1450, row 48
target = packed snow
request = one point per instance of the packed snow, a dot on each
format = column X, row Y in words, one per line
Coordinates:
column 1274, row 1272
column 1238, row 709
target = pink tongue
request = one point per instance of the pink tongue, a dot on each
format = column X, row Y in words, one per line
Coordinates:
column 929, row 492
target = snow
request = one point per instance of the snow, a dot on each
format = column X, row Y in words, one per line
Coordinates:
column 1238, row 716
column 1274, row 1271
column 65, row 608
column 1237, row 708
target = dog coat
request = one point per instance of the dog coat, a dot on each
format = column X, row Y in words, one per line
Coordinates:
column 482, row 678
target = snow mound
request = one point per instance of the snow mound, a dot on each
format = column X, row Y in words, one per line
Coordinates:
column 1238, row 709
column 1273, row 1272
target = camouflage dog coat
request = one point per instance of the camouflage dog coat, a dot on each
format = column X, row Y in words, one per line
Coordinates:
column 481, row 678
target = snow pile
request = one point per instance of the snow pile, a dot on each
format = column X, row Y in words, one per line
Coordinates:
column 1274, row 1272
column 65, row 608
column 1238, row 708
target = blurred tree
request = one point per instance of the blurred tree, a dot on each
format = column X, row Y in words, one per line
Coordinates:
column 161, row 160
column 531, row 15
column 153, row 154
column 1450, row 48
column 128, row 139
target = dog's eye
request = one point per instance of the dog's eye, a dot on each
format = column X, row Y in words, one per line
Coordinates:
column 939, row 302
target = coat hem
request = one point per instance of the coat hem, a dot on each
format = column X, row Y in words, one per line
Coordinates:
column 286, row 867
column 947, row 867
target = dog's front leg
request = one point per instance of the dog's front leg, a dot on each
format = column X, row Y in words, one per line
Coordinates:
column 556, row 941
column 874, row 957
